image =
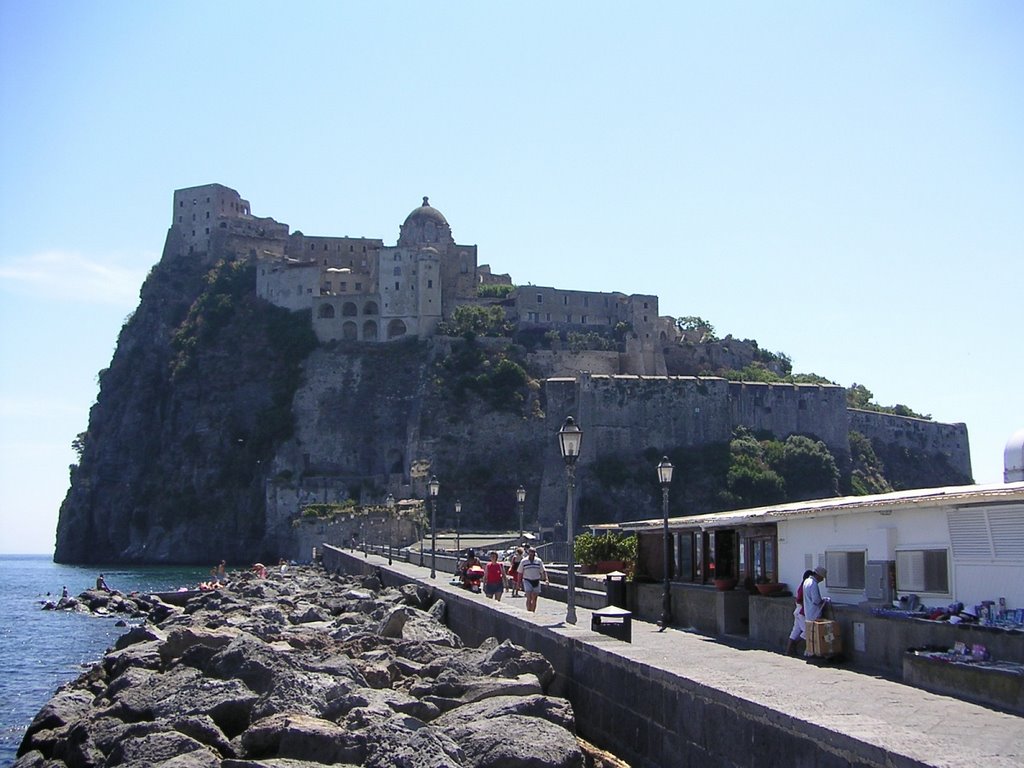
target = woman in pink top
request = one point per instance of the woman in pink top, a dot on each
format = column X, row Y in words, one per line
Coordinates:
column 494, row 578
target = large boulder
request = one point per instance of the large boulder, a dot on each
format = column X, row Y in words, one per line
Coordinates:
column 301, row 737
column 516, row 741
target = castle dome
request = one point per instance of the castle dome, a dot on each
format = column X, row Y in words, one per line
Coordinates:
column 1013, row 458
column 425, row 225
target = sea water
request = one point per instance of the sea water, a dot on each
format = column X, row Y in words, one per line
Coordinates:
column 41, row 650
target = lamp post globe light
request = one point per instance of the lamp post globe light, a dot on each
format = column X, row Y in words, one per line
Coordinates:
column 665, row 479
column 458, row 513
column 569, row 438
column 433, row 486
column 520, row 498
column 389, row 502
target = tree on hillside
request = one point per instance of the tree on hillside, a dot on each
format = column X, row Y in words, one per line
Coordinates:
column 694, row 323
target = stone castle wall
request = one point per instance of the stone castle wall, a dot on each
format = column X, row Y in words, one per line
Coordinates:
column 928, row 437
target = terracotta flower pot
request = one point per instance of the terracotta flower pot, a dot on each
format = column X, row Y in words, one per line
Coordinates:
column 770, row 589
column 724, row 585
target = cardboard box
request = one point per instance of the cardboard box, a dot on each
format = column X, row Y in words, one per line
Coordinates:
column 823, row 638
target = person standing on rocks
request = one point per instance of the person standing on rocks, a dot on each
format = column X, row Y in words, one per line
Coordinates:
column 532, row 571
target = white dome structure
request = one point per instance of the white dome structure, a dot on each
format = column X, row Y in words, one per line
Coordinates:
column 1013, row 458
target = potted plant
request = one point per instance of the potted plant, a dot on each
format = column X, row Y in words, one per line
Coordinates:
column 766, row 587
column 605, row 553
column 725, row 583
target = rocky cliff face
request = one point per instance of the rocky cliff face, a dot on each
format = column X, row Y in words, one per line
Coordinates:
column 220, row 419
column 196, row 398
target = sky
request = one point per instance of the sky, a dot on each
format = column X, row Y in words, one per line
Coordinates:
column 843, row 183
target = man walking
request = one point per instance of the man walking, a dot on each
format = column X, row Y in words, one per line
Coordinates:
column 532, row 571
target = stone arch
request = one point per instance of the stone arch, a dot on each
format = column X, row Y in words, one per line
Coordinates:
column 396, row 329
column 349, row 331
column 325, row 311
column 370, row 330
column 370, row 308
column 349, row 309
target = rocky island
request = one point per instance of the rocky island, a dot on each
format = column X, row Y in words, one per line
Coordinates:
column 305, row 669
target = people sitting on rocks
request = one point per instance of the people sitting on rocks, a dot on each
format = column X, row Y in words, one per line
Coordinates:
column 101, row 584
column 260, row 570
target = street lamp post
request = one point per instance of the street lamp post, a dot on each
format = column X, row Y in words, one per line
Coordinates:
column 433, row 486
column 520, row 498
column 569, row 438
column 665, row 479
column 458, row 514
column 389, row 502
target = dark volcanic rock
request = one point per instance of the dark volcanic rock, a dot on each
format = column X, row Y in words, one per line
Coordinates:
column 213, row 685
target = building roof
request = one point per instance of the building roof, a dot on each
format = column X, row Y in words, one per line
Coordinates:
column 426, row 211
column 926, row 497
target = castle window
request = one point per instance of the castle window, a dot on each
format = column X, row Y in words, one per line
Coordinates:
column 565, row 300
column 207, row 199
column 586, row 301
column 540, row 299
column 583, row 319
column 398, row 257
column 430, row 283
column 325, row 246
column 312, row 246
column 181, row 203
column 568, row 317
column 359, row 287
column 398, row 271
column 396, row 285
column 325, row 262
column 193, row 217
column 207, row 214
column 207, row 230
column 343, row 287
column 549, row 317
column 351, row 248
column 364, row 249
column 180, row 218
column 349, row 309
column 326, row 311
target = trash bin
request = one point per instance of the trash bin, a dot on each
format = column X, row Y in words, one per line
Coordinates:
column 615, row 588
column 613, row 621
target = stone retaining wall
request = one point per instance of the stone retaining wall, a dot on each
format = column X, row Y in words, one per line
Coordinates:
column 646, row 715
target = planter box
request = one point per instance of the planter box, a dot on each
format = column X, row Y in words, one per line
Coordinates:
column 604, row 566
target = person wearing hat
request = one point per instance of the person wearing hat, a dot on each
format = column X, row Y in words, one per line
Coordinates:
column 814, row 604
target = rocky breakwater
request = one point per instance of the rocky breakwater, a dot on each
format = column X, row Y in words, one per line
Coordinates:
column 306, row 669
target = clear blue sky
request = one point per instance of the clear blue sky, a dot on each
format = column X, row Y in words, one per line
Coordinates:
column 842, row 183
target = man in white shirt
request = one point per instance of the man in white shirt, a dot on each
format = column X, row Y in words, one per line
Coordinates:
column 814, row 604
column 532, row 570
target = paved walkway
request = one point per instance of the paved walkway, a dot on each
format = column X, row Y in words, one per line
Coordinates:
column 898, row 719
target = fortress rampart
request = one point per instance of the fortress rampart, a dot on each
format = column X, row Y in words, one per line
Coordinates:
column 928, row 437
column 633, row 413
